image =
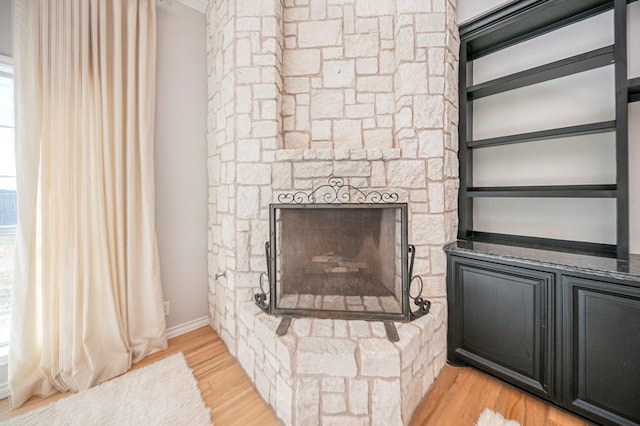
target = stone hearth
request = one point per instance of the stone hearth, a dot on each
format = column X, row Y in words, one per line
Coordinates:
column 300, row 90
column 337, row 372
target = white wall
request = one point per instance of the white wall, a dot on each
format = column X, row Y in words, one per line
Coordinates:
column 6, row 34
column 469, row 9
column 181, row 155
column 577, row 99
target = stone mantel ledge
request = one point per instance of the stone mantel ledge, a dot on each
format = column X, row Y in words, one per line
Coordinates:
column 327, row 371
column 338, row 154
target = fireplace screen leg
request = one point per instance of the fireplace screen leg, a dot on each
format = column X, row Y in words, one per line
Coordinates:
column 283, row 327
column 392, row 333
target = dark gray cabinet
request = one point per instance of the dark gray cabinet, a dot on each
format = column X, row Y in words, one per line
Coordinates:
column 499, row 321
column 602, row 349
column 551, row 324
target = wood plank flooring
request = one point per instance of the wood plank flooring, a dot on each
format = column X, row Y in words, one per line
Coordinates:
column 457, row 397
column 461, row 393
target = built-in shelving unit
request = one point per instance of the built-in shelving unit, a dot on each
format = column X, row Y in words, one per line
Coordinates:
column 573, row 307
column 507, row 26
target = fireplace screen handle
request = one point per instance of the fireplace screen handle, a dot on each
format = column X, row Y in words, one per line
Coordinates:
column 423, row 304
column 261, row 298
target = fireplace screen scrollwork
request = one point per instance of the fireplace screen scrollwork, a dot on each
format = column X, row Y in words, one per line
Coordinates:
column 337, row 191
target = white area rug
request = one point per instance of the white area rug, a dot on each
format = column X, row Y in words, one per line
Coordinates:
column 163, row 393
column 491, row 418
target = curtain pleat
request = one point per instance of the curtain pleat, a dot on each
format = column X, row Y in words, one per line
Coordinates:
column 87, row 296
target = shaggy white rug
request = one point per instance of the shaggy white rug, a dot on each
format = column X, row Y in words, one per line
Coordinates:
column 163, row 393
column 491, row 418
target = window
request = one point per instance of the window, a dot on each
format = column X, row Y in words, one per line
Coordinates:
column 8, row 207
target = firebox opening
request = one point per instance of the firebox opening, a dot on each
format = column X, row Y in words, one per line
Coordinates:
column 340, row 259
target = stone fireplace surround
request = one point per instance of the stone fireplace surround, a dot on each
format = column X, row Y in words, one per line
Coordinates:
column 300, row 90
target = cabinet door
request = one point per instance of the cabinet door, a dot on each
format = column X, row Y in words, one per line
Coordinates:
column 602, row 350
column 500, row 321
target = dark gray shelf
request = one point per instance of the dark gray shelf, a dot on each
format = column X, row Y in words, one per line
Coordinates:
column 568, row 66
column 600, row 255
column 521, row 20
column 548, row 191
column 583, row 129
column 634, row 89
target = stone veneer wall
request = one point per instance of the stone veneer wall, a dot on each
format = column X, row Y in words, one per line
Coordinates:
column 393, row 127
column 363, row 74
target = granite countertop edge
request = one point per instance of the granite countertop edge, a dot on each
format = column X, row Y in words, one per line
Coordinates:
column 454, row 247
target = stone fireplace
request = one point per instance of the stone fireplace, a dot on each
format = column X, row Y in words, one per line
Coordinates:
column 299, row 91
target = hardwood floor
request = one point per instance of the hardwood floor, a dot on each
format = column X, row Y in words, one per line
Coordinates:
column 225, row 387
column 457, row 397
column 461, row 393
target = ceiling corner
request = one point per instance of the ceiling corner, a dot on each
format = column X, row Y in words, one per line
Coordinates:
column 199, row 5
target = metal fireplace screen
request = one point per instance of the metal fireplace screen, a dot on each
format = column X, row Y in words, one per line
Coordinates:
column 339, row 261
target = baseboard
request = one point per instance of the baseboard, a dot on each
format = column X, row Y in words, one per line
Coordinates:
column 179, row 330
column 4, row 367
column 4, row 390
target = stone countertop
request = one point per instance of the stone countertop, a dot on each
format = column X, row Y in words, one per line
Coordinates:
column 570, row 262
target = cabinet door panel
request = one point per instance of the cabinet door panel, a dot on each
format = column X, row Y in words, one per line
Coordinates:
column 602, row 353
column 500, row 321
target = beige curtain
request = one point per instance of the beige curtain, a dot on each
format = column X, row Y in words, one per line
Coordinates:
column 87, row 296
